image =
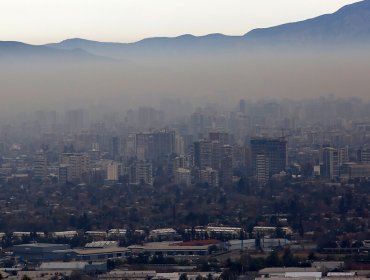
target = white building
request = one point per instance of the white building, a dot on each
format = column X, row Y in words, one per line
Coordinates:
column 114, row 171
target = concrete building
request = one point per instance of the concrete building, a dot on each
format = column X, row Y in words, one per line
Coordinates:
column 273, row 149
column 215, row 231
column 330, row 163
column 74, row 120
column 115, row 148
column 78, row 165
column 95, row 254
column 163, row 234
column 226, row 172
column 41, row 251
column 210, row 176
column 183, row 176
column 180, row 145
column 267, row 231
column 65, row 234
column 114, row 171
column 96, row 235
column 290, row 272
column 141, row 172
column 40, row 166
column 221, row 137
column 356, row 170
column 363, row 155
column 162, row 143
column 262, row 169
column 202, row 154
column 74, row 266
column 117, row 233
column 63, row 172
column 184, row 249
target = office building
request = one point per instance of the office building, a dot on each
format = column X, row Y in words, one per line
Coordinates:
column 330, row 163
column 273, row 149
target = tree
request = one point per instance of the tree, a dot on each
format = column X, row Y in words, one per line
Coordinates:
column 312, row 256
column 273, row 259
column 183, row 276
column 288, row 258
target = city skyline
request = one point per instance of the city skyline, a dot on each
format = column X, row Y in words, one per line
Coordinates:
column 128, row 21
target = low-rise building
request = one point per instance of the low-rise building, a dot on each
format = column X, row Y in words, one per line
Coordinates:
column 163, row 233
column 65, row 234
column 74, row 266
column 41, row 251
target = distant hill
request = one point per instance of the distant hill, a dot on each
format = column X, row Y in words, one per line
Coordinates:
column 17, row 51
column 349, row 26
column 183, row 44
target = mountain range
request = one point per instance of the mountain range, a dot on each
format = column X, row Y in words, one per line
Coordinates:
column 349, row 26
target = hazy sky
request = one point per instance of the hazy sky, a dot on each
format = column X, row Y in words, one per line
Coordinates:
column 42, row 21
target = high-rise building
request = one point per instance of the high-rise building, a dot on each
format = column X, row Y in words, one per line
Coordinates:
column 364, row 155
column 148, row 117
column 210, row 176
column 79, row 165
column 114, row 171
column 152, row 146
column 63, row 172
column 202, row 154
column 141, row 172
column 274, row 150
column 242, row 106
column 74, row 120
column 39, row 166
column 180, row 145
column 115, row 148
column 226, row 171
column 216, row 155
column 183, row 176
column 241, row 157
column 94, row 153
column 343, row 155
column 162, row 143
column 130, row 146
column 142, row 146
column 182, row 162
column 262, row 169
column 330, row 163
column 221, row 137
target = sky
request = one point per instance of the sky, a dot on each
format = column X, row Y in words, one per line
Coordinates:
column 46, row 21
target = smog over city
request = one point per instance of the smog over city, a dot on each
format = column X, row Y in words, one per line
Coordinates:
column 184, row 140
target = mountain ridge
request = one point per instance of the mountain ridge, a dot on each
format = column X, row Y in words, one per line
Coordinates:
column 348, row 26
column 14, row 50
